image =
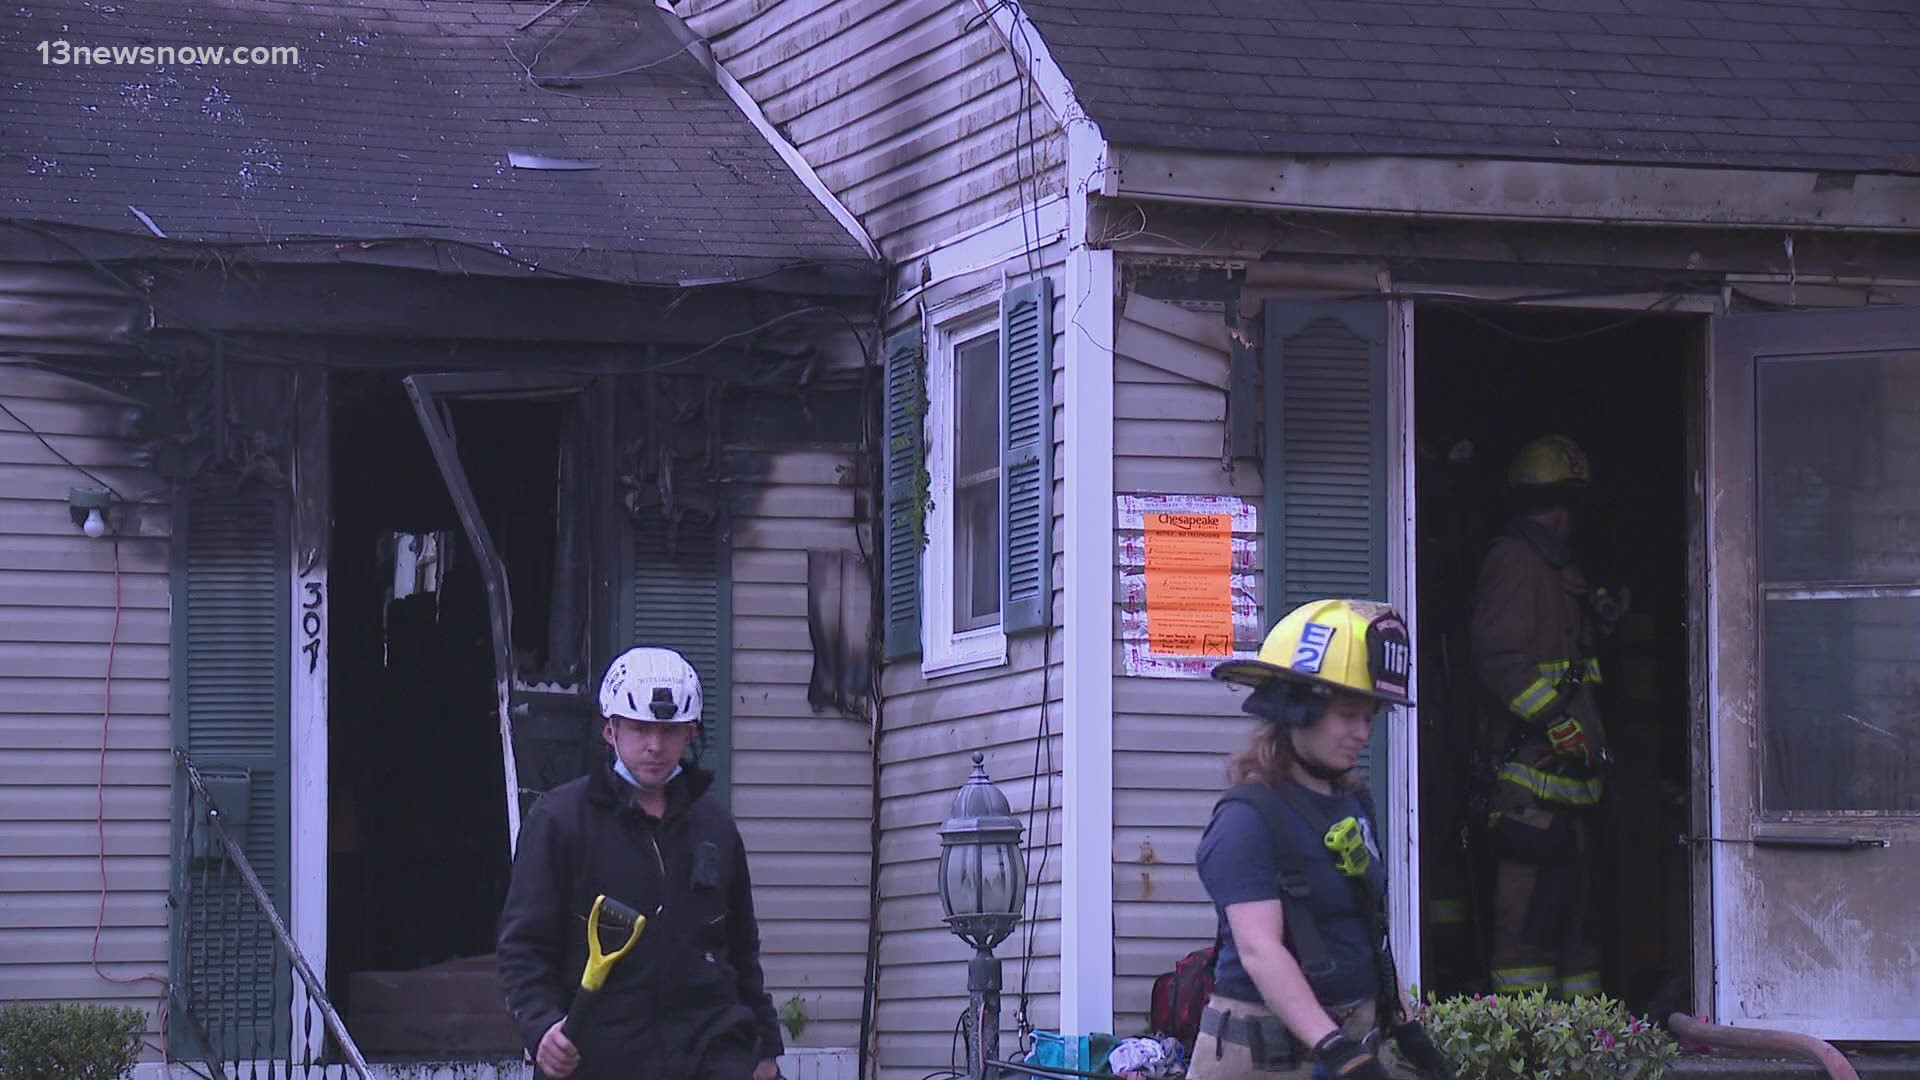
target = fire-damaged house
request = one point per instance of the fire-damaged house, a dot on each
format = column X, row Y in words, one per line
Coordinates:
column 1306, row 276
column 355, row 411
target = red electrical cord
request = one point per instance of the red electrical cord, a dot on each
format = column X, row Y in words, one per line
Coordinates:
column 100, row 824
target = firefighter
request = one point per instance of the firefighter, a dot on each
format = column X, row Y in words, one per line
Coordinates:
column 1534, row 643
column 690, row 1002
column 1303, row 980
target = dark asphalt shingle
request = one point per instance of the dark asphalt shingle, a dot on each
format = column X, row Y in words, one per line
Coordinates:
column 1832, row 85
column 398, row 121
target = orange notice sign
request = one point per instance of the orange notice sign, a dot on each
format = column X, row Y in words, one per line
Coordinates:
column 1189, row 583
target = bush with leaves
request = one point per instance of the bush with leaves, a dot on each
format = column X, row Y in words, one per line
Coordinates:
column 71, row 1042
column 1532, row 1037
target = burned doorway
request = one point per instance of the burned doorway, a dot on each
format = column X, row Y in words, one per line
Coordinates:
column 420, row 820
column 1489, row 379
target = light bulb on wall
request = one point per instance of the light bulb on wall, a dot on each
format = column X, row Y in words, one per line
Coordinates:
column 88, row 507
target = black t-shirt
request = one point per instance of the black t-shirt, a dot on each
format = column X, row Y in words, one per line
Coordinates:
column 1240, row 862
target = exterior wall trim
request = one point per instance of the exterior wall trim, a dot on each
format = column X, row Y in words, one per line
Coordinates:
column 1086, row 875
column 311, row 619
column 1403, row 744
column 1055, row 89
column 1522, row 191
column 979, row 249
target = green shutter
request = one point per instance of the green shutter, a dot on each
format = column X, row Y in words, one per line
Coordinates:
column 1326, row 463
column 684, row 600
column 1026, row 456
column 903, row 469
column 231, row 638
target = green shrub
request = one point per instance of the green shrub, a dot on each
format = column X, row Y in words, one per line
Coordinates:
column 1532, row 1037
column 69, row 1042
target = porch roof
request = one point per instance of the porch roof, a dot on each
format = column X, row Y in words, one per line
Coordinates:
column 1754, row 83
column 407, row 126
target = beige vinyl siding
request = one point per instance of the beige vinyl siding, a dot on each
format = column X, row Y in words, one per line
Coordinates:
column 922, row 127
column 932, row 728
column 801, row 779
column 57, row 610
column 1171, row 737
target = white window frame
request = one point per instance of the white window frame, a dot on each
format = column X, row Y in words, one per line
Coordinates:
column 944, row 650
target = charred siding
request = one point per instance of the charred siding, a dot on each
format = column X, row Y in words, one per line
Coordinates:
column 801, row 778
column 912, row 112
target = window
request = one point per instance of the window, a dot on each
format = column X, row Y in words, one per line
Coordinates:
column 1840, row 582
column 976, row 482
column 962, row 584
column 967, row 540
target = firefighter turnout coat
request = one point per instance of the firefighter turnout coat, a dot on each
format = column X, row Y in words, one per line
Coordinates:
column 1533, row 651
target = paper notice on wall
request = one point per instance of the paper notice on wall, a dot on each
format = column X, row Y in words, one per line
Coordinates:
column 1189, row 596
column 1188, row 589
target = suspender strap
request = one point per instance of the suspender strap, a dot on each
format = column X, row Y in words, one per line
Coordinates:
column 1302, row 932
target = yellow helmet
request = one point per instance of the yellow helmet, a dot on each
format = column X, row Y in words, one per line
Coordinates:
column 1548, row 461
column 1356, row 645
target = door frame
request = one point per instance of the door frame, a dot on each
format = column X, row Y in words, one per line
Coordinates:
column 1403, row 854
column 1403, row 735
column 308, row 843
column 313, row 491
column 432, row 394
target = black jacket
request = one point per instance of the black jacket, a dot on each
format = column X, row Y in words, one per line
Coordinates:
column 690, row 999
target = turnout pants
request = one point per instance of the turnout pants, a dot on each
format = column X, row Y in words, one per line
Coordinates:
column 1242, row 1040
column 1541, row 904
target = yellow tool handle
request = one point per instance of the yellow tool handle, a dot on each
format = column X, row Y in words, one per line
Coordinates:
column 600, row 962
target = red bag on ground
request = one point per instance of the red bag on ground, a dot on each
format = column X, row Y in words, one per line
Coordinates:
column 1180, row 995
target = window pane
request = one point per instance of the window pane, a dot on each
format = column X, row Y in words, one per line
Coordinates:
column 1840, row 468
column 977, row 432
column 976, row 559
column 1842, row 704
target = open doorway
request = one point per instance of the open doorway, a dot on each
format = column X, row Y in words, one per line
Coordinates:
column 420, row 854
column 1489, row 379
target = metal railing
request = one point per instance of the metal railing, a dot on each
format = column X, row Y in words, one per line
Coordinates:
column 243, row 1000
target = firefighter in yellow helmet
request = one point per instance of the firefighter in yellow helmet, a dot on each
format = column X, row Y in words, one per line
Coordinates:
column 1533, row 641
column 1290, row 862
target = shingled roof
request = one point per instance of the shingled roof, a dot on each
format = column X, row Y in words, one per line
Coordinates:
column 1806, row 84
column 404, row 118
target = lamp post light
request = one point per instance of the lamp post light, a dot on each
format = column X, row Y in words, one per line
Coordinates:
column 983, row 885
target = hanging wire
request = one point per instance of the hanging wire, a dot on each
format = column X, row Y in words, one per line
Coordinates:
column 55, row 451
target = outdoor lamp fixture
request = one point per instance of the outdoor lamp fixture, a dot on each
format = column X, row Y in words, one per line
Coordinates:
column 983, row 886
column 88, row 508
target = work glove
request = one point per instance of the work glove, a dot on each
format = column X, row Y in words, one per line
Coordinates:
column 1418, row 1051
column 1570, row 743
column 1348, row 1059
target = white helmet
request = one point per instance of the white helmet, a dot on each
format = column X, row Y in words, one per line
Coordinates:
column 651, row 684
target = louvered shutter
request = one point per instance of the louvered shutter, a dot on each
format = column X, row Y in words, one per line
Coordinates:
column 231, row 671
column 684, row 600
column 1026, row 456
column 903, row 461
column 1326, row 464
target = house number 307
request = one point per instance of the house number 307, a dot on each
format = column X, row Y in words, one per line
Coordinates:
column 313, row 623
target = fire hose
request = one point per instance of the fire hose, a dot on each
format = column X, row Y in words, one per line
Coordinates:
column 1793, row 1044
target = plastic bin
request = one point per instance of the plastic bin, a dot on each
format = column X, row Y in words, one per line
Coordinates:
column 1088, row 1053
